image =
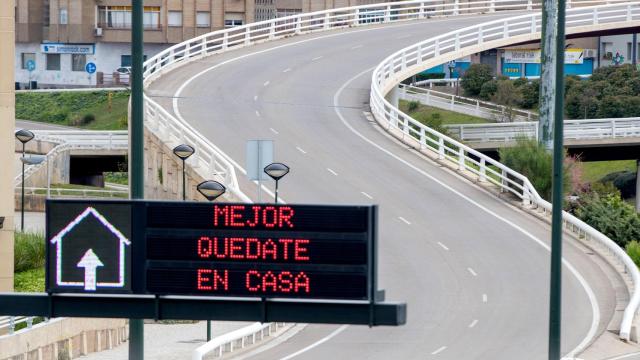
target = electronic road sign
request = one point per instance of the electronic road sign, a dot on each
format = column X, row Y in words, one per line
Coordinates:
column 211, row 249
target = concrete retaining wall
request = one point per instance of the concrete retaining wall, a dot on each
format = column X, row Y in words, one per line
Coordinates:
column 63, row 339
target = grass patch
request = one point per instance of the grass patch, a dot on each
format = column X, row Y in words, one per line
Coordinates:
column 121, row 178
column 29, row 281
column 88, row 110
column 423, row 113
column 90, row 191
column 29, row 251
column 595, row 170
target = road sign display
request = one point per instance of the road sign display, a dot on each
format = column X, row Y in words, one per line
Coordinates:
column 211, row 249
column 31, row 65
column 90, row 68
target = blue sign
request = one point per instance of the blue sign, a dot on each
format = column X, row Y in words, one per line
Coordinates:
column 90, row 68
column 31, row 65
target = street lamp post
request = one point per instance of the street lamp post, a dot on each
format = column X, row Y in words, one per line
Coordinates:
column 211, row 190
column 183, row 152
column 24, row 136
column 276, row 171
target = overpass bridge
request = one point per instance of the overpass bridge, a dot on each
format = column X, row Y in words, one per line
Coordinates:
column 472, row 267
column 593, row 139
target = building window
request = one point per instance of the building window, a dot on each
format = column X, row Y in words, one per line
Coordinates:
column 125, row 60
column 26, row 57
column 203, row 19
column 64, row 17
column 53, row 62
column 119, row 17
column 78, row 62
column 175, row 18
column 229, row 23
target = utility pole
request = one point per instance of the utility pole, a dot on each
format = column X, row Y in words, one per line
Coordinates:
column 136, row 148
column 551, row 130
column 7, row 142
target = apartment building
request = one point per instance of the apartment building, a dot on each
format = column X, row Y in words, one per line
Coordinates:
column 56, row 39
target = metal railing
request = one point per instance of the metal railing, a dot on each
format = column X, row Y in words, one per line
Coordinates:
column 440, row 49
column 52, row 192
column 236, row 339
column 593, row 129
column 465, row 105
column 10, row 322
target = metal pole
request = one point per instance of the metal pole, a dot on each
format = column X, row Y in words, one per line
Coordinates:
column 634, row 49
column 22, row 202
column 184, row 186
column 136, row 145
column 276, row 191
column 208, row 330
column 552, row 135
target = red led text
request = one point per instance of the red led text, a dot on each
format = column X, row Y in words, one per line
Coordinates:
column 240, row 216
column 253, row 249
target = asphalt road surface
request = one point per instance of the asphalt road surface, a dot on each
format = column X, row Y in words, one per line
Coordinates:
column 473, row 270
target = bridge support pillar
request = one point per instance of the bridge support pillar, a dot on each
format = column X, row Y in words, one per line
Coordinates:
column 7, row 124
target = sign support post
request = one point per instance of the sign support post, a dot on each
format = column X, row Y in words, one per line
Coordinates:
column 136, row 146
column 551, row 136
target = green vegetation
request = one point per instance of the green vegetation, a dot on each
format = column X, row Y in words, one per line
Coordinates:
column 531, row 159
column 121, row 178
column 95, row 110
column 612, row 91
column 29, row 251
column 29, row 261
column 29, row 281
column 633, row 249
column 597, row 170
column 90, row 191
column 426, row 114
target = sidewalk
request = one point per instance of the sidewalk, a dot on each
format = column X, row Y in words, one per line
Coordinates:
column 169, row 341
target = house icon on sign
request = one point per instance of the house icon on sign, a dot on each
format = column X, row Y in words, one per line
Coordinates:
column 90, row 253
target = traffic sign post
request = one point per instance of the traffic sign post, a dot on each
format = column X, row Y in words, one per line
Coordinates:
column 90, row 68
column 227, row 261
column 31, row 66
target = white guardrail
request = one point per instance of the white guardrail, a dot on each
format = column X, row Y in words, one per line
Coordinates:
column 461, row 104
column 240, row 338
column 440, row 49
column 8, row 323
column 209, row 158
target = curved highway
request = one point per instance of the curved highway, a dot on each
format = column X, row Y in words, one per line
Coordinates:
column 473, row 269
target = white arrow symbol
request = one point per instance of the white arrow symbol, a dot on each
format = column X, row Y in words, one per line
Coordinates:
column 90, row 262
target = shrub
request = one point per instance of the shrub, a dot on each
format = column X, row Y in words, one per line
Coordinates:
column 633, row 250
column 611, row 216
column 488, row 90
column 623, row 181
column 531, row 159
column 475, row 76
column 413, row 106
column 508, row 95
column 530, row 94
column 29, row 251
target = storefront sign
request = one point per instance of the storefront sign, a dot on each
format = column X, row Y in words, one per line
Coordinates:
column 88, row 49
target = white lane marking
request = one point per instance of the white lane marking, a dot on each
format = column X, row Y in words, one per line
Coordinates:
column 357, row 47
column 316, row 58
column 404, row 220
column 624, row 356
column 274, row 131
column 367, row 195
column 485, row 298
column 301, row 150
column 443, row 246
column 333, row 172
column 473, row 323
column 321, row 341
column 255, row 98
column 439, row 350
column 472, row 272
column 176, row 96
column 595, row 309
column 286, row 70
column 266, row 83
column 257, row 113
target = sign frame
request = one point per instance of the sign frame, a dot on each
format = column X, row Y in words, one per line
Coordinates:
column 140, row 263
